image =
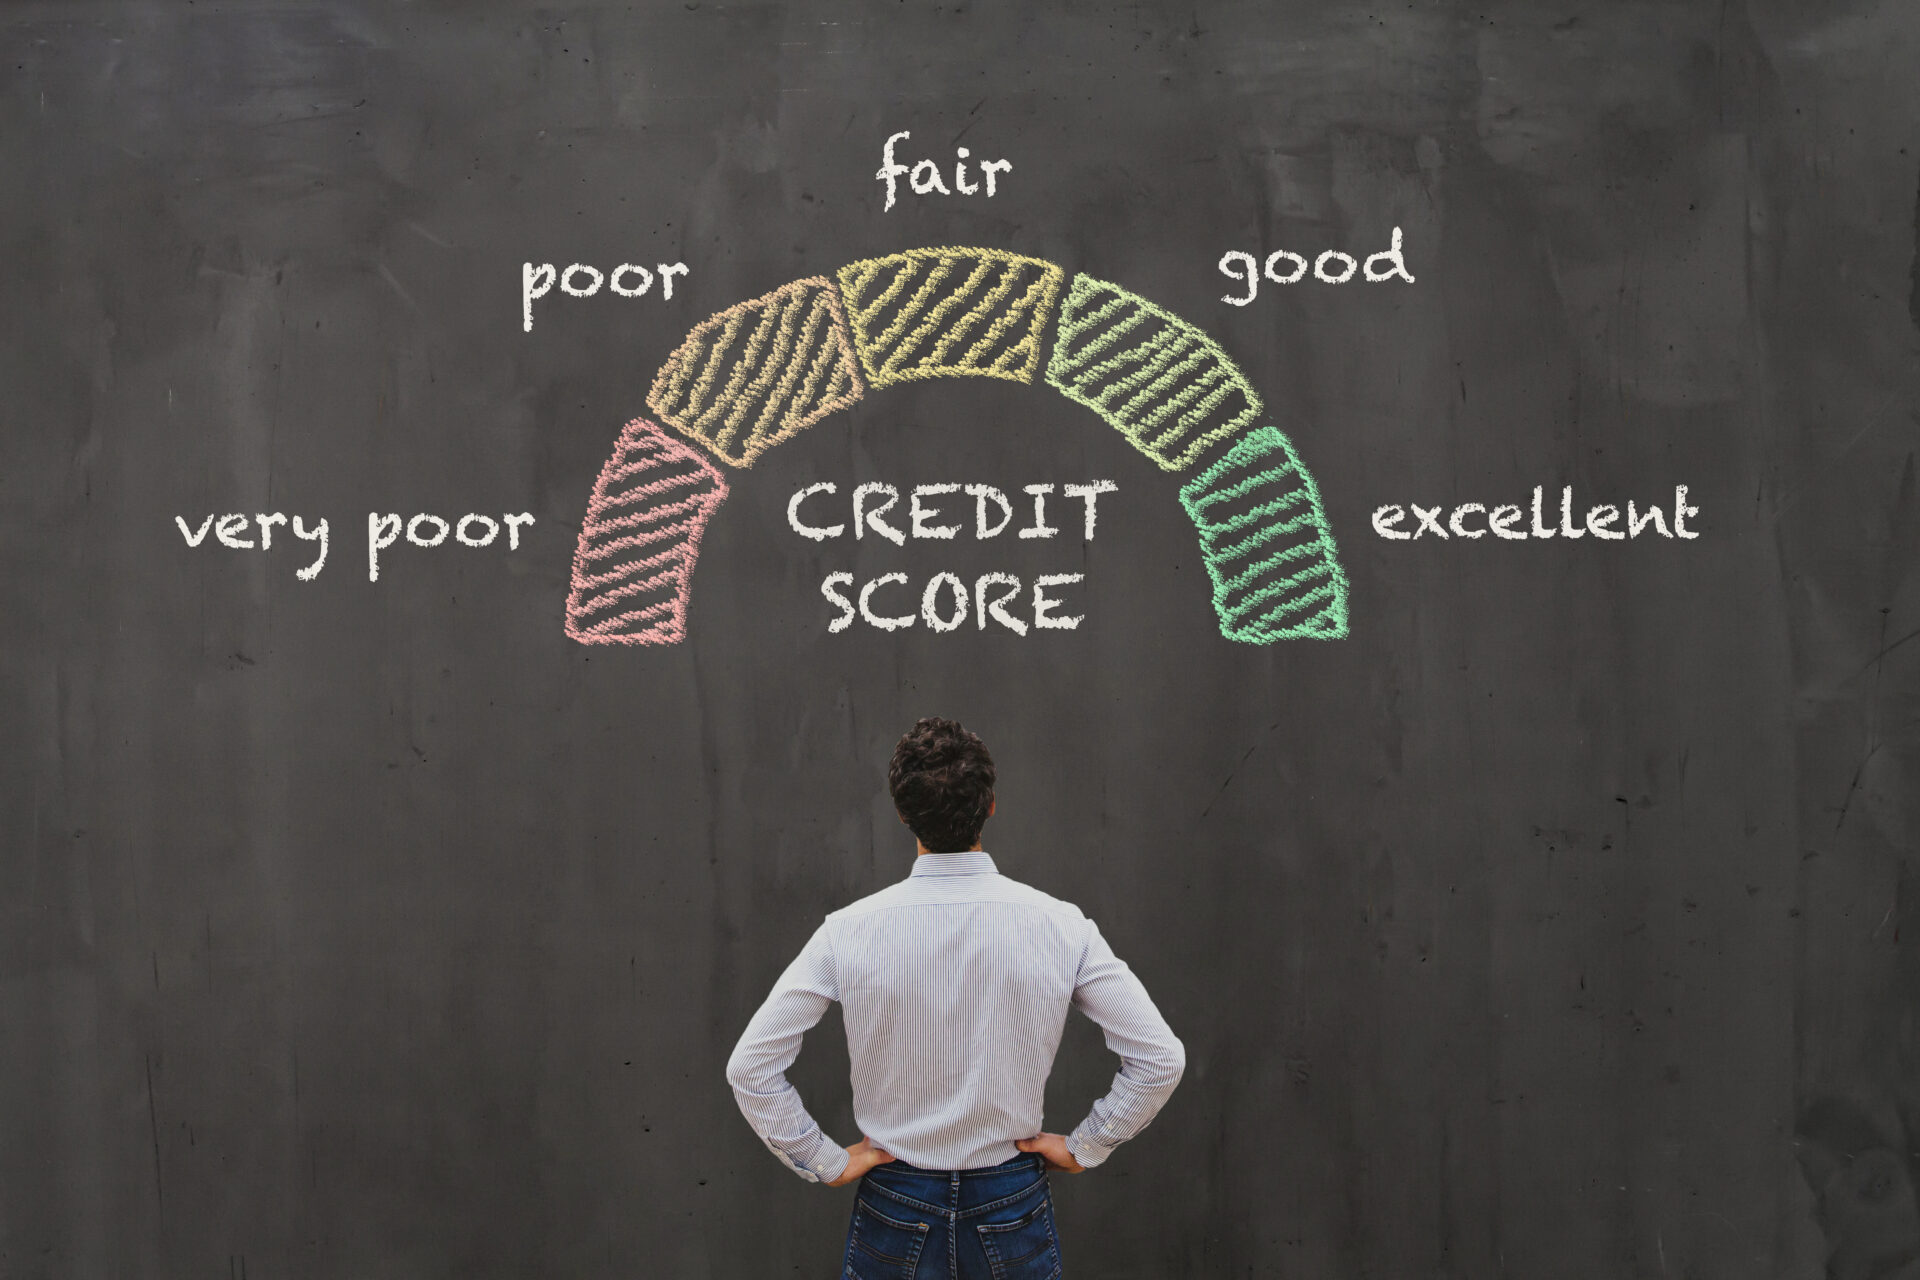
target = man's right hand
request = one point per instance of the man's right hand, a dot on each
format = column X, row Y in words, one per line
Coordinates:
column 861, row 1156
column 1052, row 1147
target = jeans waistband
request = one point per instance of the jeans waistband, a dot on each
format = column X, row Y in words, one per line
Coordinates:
column 1025, row 1160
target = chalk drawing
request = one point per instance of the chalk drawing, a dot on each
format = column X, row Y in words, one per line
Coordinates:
column 995, row 606
column 918, row 514
column 1157, row 380
column 936, row 313
column 930, row 602
column 946, row 602
column 866, row 604
column 1043, row 603
column 981, row 495
column 924, row 176
column 537, row 279
column 863, row 519
column 1264, row 536
column 460, row 531
column 1238, row 264
column 760, row 372
column 1090, row 494
column 1040, row 528
column 633, row 566
column 413, row 530
column 227, row 530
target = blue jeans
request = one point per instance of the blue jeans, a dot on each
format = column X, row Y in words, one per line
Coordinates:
column 967, row 1224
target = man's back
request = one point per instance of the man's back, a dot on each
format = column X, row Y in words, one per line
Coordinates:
column 955, row 984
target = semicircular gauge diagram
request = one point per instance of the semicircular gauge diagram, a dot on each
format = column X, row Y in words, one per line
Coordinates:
column 761, row 372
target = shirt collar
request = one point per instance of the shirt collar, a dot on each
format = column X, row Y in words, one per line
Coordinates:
column 972, row 862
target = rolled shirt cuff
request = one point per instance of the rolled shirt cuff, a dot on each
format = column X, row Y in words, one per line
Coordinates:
column 829, row 1162
column 1089, row 1152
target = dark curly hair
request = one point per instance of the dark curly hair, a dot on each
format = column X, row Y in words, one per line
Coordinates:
column 941, row 778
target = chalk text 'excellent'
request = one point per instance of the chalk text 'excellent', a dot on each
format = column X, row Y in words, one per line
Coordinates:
column 1472, row 520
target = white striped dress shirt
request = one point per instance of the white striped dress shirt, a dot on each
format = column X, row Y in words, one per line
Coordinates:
column 954, row 985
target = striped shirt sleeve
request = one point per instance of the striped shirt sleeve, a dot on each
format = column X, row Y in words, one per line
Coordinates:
column 1152, row 1059
column 757, row 1068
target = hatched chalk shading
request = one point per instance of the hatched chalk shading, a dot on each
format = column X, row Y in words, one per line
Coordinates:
column 760, row 372
column 936, row 313
column 1157, row 380
column 633, row 566
column 1266, row 543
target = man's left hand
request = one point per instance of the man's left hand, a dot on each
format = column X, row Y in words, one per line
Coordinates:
column 861, row 1156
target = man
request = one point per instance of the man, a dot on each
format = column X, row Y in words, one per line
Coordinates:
column 954, row 985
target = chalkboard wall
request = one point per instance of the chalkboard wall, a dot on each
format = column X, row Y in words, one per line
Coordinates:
column 1555, row 915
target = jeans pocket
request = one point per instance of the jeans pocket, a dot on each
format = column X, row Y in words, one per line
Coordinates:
column 881, row 1247
column 1023, row 1248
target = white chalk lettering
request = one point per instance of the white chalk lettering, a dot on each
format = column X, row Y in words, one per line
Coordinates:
column 413, row 531
column 923, row 176
column 1680, row 513
column 864, row 519
column 1090, row 493
column 1654, row 515
column 1540, row 529
column 874, row 498
column 807, row 530
column 1292, row 277
column 866, row 603
column 845, row 620
column 1231, row 259
column 317, row 534
column 424, row 529
column 1385, row 518
column 917, row 515
column 1427, row 519
column 646, row 279
column 1508, row 521
column 382, row 532
column 460, row 530
column 946, row 599
column 996, row 606
column 1330, row 266
column 228, row 529
column 926, row 179
column 1040, row 529
column 946, row 602
column 1042, row 602
column 534, row 283
column 1320, row 271
column 567, row 286
column 930, row 602
column 1396, row 260
column 1460, row 512
column 981, row 494
column 1567, row 528
column 582, row 280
